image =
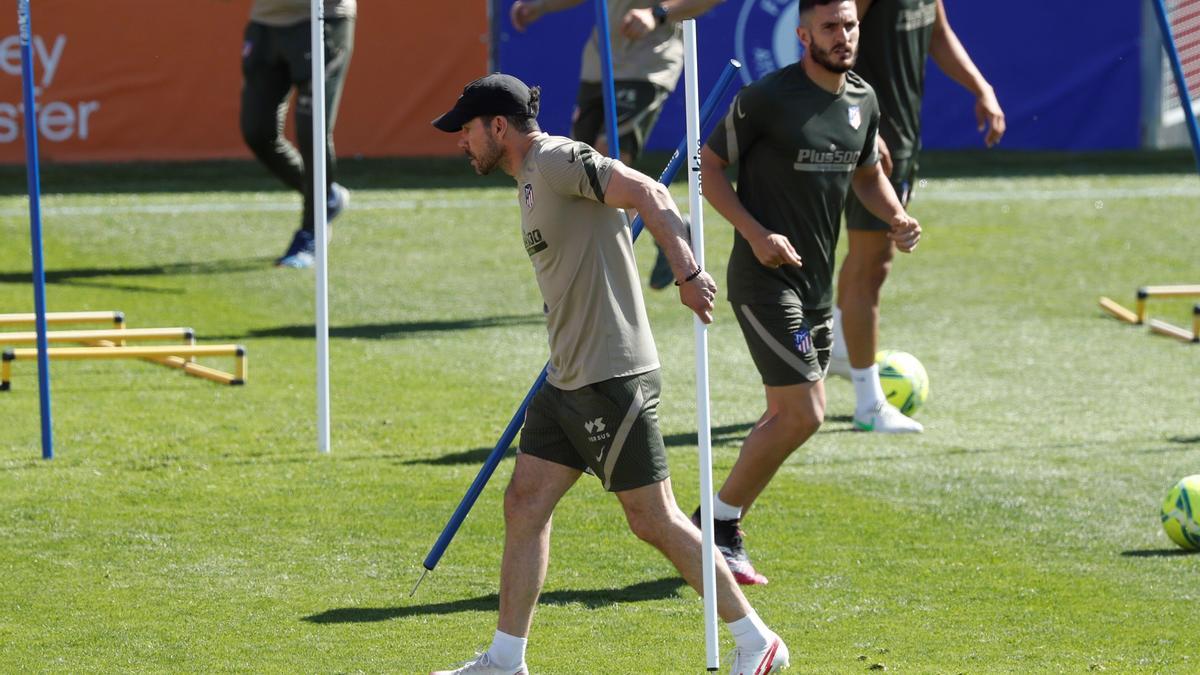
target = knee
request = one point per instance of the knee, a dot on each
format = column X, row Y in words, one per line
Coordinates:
column 799, row 423
column 650, row 528
column 260, row 136
column 522, row 503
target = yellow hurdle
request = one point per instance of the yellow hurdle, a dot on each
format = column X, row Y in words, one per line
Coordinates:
column 173, row 355
column 1117, row 311
column 1181, row 334
column 1176, row 291
column 120, row 335
column 116, row 318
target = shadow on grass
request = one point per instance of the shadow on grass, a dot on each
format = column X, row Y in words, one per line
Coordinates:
column 659, row 589
column 728, row 434
column 475, row 456
column 1157, row 553
column 388, row 331
column 87, row 276
column 1187, row 440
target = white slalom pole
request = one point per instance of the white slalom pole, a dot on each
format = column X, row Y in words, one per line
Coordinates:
column 320, row 220
column 703, row 421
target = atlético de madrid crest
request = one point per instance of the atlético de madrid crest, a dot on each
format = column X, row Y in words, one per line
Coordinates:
column 855, row 115
column 529, row 195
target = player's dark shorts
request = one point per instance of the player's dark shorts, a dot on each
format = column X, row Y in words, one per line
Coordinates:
column 788, row 347
column 638, row 107
column 904, row 172
column 609, row 429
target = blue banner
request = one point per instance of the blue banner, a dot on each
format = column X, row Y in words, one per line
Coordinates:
column 1068, row 79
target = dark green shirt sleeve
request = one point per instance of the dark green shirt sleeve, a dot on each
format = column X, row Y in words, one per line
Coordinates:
column 738, row 132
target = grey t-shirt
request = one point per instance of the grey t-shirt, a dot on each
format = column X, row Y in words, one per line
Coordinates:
column 582, row 255
column 291, row 12
column 655, row 57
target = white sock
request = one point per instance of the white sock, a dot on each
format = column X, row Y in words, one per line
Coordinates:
column 507, row 651
column 839, row 340
column 867, row 388
column 723, row 511
column 749, row 632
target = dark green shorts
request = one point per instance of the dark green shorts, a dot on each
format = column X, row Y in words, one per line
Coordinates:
column 609, row 429
column 904, row 172
column 638, row 107
column 787, row 346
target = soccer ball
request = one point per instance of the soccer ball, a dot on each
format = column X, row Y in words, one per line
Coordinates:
column 904, row 380
column 1180, row 512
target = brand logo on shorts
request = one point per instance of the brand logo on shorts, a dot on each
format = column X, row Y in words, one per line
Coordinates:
column 764, row 37
column 595, row 429
column 529, row 195
column 855, row 115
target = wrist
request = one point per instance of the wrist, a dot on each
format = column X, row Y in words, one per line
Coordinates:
column 695, row 273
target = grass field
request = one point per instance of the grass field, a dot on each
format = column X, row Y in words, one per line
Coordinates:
column 186, row 526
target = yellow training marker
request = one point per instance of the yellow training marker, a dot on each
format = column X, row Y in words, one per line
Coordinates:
column 175, row 355
column 116, row 318
column 1117, row 311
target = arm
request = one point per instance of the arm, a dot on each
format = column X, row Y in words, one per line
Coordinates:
column 525, row 12
column 639, row 22
column 949, row 54
column 771, row 248
column 628, row 189
column 876, row 193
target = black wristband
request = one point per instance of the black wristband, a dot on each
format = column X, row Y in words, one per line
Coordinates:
column 659, row 13
column 689, row 277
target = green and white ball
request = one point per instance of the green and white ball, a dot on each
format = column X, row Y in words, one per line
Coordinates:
column 904, row 380
column 1181, row 513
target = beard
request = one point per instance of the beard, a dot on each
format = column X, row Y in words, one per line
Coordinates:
column 486, row 160
column 831, row 62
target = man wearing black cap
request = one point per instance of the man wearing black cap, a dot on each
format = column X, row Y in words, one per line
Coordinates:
column 598, row 409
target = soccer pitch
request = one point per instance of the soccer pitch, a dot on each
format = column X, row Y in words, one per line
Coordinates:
column 186, row 526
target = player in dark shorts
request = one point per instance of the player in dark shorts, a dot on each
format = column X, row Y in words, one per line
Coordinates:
column 597, row 411
column 801, row 137
column 647, row 52
column 897, row 37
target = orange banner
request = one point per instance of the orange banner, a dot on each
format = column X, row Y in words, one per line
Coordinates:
column 124, row 80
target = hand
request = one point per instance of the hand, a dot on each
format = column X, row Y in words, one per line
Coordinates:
column 698, row 295
column 525, row 12
column 905, row 232
column 637, row 23
column 990, row 117
column 885, row 155
column 774, row 251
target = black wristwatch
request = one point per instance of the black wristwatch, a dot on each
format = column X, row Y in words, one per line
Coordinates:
column 659, row 12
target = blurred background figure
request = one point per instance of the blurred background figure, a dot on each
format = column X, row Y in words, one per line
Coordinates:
column 276, row 58
column 647, row 54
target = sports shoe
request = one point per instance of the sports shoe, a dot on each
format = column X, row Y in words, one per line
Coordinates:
column 884, row 418
column 770, row 659
column 727, row 535
column 839, row 366
column 301, row 253
column 482, row 665
column 339, row 199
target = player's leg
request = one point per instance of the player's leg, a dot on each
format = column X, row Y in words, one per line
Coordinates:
column 791, row 352
column 864, row 270
column 265, row 88
column 546, row 467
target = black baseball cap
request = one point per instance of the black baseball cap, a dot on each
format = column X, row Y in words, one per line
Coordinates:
column 495, row 94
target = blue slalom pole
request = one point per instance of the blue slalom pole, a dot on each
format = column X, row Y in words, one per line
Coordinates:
column 1185, row 100
column 32, row 172
column 604, row 42
column 709, row 117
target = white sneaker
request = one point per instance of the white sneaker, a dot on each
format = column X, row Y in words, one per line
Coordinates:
column 839, row 366
column 886, row 419
column 770, row 659
column 482, row 665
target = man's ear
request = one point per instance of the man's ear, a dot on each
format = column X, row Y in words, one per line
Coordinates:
column 499, row 126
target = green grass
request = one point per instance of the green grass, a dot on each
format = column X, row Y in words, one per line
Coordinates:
column 190, row 527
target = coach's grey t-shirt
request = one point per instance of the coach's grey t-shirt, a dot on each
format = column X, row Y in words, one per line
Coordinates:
column 582, row 255
column 291, row 12
column 655, row 57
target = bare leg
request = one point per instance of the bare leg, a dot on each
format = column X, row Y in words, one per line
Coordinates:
column 529, row 502
column 656, row 519
column 794, row 413
column 864, row 270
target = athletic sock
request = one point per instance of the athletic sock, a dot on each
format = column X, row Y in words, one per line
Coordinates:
column 867, row 388
column 749, row 632
column 507, row 651
column 723, row 511
column 839, row 340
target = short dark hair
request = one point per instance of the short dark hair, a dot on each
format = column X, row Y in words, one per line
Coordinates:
column 520, row 123
column 806, row 5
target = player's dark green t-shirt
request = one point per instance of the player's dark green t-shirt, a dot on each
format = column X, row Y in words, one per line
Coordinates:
column 893, row 46
column 796, row 146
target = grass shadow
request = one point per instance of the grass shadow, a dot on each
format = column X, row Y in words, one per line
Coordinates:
column 88, row 276
column 723, row 435
column 659, row 589
column 1157, row 553
column 473, row 456
column 389, row 331
column 1187, row 440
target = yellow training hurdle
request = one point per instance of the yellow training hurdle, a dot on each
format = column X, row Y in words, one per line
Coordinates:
column 1144, row 294
column 179, row 356
column 116, row 318
column 119, row 335
column 1181, row 334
